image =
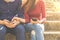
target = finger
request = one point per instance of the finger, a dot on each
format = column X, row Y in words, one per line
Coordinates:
column 6, row 20
column 15, row 18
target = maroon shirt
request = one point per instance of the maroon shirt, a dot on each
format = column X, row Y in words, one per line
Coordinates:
column 37, row 12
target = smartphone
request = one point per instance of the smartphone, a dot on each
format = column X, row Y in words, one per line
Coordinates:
column 34, row 19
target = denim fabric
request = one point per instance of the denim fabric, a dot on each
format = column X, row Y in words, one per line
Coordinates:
column 38, row 28
column 18, row 31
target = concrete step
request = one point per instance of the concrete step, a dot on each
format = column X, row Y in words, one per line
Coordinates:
column 53, row 16
column 47, row 36
column 52, row 26
column 52, row 5
column 52, row 36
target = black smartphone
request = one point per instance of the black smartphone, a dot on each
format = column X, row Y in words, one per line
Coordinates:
column 34, row 19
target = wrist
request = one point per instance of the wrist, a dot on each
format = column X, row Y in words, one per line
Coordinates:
column 1, row 22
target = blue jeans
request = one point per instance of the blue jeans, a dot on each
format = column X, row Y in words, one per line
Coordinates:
column 37, row 28
column 18, row 31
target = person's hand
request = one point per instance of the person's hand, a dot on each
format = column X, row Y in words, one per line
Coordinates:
column 15, row 22
column 22, row 20
column 2, row 22
column 16, row 18
column 6, row 21
column 9, row 24
column 33, row 22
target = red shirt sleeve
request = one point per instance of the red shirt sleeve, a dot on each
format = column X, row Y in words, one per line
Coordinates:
column 43, row 10
column 27, row 18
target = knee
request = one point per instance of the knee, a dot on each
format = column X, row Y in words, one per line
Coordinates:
column 28, row 27
column 39, row 28
column 33, row 32
column 20, row 28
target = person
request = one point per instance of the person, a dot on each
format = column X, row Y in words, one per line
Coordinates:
column 10, row 14
column 35, row 16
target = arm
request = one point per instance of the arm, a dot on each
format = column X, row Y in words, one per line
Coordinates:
column 20, row 10
column 19, row 13
column 43, row 11
column 26, row 18
column 2, row 22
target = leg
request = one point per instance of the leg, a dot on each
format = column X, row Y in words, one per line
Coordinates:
column 2, row 32
column 33, row 36
column 29, row 28
column 20, row 32
column 36, row 31
column 39, row 28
